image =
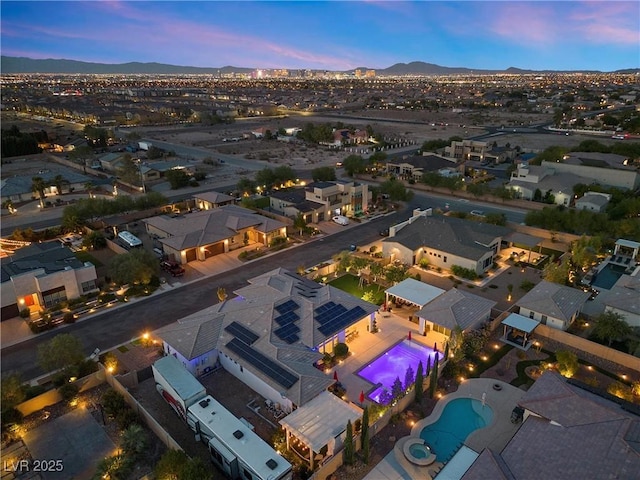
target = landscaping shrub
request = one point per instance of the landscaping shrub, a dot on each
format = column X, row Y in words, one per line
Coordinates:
column 11, row 416
column 126, row 418
column 113, row 403
column 69, row 317
column 567, row 363
column 87, row 367
column 68, row 391
column 464, row 272
column 341, row 350
column 25, row 313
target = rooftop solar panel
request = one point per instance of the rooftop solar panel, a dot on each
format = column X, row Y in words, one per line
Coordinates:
column 242, row 333
column 341, row 321
column 263, row 363
column 287, row 306
column 286, row 331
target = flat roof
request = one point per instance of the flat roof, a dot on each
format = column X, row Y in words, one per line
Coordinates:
column 520, row 322
column 418, row 293
column 458, row 465
column 321, row 420
column 627, row 243
column 243, row 442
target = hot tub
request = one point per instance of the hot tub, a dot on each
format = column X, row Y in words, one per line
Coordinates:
column 418, row 452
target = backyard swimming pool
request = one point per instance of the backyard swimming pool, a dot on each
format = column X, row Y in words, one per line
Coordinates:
column 608, row 276
column 393, row 364
column 459, row 418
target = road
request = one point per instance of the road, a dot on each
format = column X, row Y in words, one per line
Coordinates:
column 129, row 321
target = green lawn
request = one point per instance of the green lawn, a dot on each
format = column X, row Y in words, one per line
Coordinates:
column 349, row 284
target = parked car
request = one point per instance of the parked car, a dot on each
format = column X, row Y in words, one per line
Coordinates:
column 341, row 220
column 477, row 213
column 174, row 268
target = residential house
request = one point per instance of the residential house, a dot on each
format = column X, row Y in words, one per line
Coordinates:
column 18, row 188
column 209, row 200
column 271, row 335
column 552, row 304
column 466, row 150
column 323, row 200
column 42, row 275
column 200, row 235
column 535, row 182
column 443, row 242
column 593, row 201
column 416, row 166
column 605, row 168
column 570, row 432
column 624, row 299
column 455, row 309
column 111, row 162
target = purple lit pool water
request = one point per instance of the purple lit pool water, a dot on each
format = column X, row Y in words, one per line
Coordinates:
column 393, row 364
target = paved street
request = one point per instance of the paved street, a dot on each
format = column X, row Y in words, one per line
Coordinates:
column 119, row 325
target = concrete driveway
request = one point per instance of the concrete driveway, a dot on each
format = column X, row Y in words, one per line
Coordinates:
column 76, row 440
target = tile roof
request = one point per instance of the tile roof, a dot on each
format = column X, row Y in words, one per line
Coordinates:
column 214, row 197
column 50, row 256
column 465, row 238
column 457, row 308
column 625, row 295
column 554, row 300
column 573, row 434
column 254, row 308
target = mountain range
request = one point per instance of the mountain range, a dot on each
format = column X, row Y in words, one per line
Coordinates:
column 62, row 66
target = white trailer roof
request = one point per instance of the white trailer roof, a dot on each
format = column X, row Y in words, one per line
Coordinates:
column 252, row 452
column 180, row 379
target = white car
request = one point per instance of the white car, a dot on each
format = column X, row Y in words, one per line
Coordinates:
column 341, row 220
column 477, row 213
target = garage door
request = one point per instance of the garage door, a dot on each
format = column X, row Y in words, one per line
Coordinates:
column 191, row 255
column 215, row 249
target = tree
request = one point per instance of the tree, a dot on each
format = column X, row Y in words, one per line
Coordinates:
column 611, row 326
column 59, row 181
column 81, row 154
column 265, row 178
column 137, row 266
column 396, row 190
column 397, row 390
column 567, row 363
column 128, row 171
column 134, row 440
column 94, row 240
column 557, row 272
column 394, row 274
column 246, row 185
column 409, row 378
column 63, row 352
column 364, row 435
column 419, row 385
column 348, row 451
column 177, row 178
column 299, row 223
column 323, row 174
column 222, row 294
column 433, row 381
column 38, row 186
column 354, row 164
column 12, row 393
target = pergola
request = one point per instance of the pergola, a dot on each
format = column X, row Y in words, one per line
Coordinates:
column 319, row 424
column 517, row 329
column 414, row 292
column 528, row 241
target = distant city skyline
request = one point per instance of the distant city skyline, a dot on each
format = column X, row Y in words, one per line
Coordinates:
column 333, row 35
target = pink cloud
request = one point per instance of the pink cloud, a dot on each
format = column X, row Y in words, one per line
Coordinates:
column 525, row 23
column 607, row 22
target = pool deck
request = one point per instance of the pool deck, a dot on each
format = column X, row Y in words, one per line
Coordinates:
column 496, row 436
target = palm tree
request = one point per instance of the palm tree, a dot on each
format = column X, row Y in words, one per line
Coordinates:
column 38, row 186
column 222, row 294
column 611, row 326
column 134, row 440
column 58, row 181
column 88, row 186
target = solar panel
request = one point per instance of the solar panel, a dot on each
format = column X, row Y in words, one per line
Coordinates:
column 263, row 363
column 330, row 313
column 345, row 319
column 287, row 306
column 324, row 307
column 304, row 282
column 242, row 333
column 286, row 330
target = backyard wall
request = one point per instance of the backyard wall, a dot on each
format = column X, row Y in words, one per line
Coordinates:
column 587, row 346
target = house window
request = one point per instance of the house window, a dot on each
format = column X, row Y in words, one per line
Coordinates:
column 530, row 314
column 544, row 319
column 54, row 296
column 88, row 286
column 445, row 259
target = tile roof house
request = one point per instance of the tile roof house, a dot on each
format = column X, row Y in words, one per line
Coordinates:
column 209, row 200
column 569, row 433
column 444, row 241
column 417, row 165
column 593, row 201
column 552, row 304
column 456, row 308
column 624, row 298
column 43, row 274
column 270, row 335
column 201, row 235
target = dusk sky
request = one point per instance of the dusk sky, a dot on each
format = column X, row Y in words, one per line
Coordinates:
column 335, row 35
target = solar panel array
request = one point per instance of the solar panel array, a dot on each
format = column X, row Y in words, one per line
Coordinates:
column 263, row 363
column 305, row 287
column 241, row 332
column 288, row 333
column 287, row 306
column 333, row 318
column 289, row 317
